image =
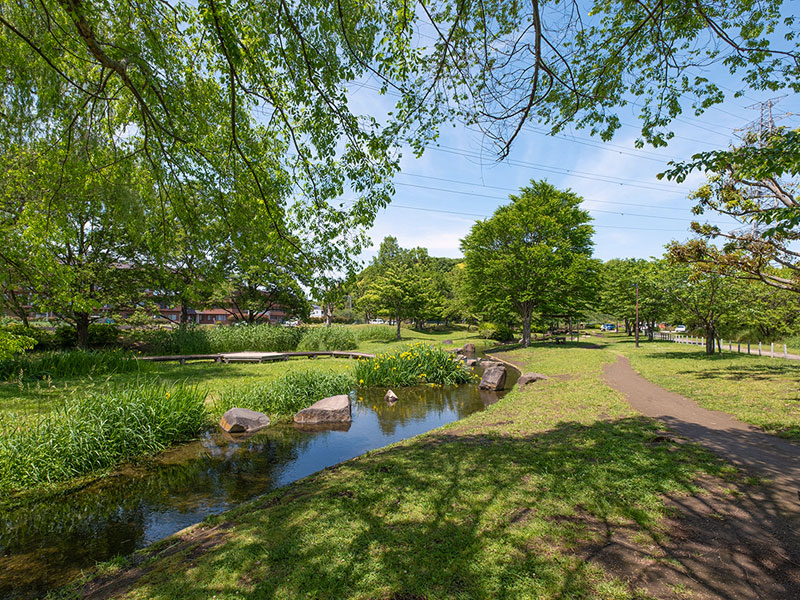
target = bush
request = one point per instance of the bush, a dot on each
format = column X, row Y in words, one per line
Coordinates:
column 12, row 344
column 43, row 339
column 376, row 333
column 321, row 339
column 97, row 432
column 287, row 395
column 415, row 364
column 65, row 364
column 493, row 331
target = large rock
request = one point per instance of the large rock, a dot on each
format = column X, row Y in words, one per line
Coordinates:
column 469, row 347
column 530, row 378
column 335, row 409
column 390, row 397
column 243, row 420
column 494, row 378
column 471, row 362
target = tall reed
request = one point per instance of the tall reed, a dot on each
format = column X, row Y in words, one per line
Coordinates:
column 320, row 339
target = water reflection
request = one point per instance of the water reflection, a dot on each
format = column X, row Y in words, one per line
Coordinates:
column 49, row 542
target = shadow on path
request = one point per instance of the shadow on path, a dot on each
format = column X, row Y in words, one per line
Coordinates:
column 757, row 452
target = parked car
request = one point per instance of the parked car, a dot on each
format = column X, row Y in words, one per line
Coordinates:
column 608, row 327
column 680, row 328
column 377, row 322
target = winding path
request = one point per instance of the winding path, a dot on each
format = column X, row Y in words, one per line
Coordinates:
column 755, row 451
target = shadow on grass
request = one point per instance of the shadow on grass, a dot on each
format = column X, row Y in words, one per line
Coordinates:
column 476, row 515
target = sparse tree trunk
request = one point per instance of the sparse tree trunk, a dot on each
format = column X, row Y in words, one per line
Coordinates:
column 628, row 328
column 82, row 329
column 184, row 314
column 398, row 325
column 710, row 341
column 328, row 314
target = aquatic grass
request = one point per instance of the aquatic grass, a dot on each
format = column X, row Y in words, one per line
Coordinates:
column 413, row 364
column 285, row 396
column 98, row 431
column 68, row 364
column 321, row 339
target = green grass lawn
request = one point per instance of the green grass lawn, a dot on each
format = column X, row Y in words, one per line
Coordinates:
column 761, row 391
column 498, row 505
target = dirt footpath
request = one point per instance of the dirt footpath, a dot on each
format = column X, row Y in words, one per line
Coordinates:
column 743, row 542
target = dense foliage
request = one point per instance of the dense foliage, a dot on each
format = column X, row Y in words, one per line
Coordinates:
column 533, row 256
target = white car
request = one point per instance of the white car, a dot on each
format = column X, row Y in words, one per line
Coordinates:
column 377, row 322
column 680, row 328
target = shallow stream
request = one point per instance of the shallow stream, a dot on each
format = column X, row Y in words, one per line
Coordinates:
column 45, row 544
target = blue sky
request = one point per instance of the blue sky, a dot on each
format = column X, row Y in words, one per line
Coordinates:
column 635, row 215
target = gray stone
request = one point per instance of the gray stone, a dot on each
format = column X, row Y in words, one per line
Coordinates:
column 390, row 397
column 469, row 347
column 530, row 378
column 448, row 342
column 471, row 362
column 335, row 409
column 494, row 378
column 243, row 420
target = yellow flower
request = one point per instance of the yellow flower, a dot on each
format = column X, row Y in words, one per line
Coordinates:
column 360, row 381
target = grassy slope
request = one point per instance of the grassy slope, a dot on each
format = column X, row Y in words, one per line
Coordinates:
column 762, row 391
column 496, row 505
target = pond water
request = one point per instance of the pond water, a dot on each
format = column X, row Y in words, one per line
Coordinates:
column 45, row 544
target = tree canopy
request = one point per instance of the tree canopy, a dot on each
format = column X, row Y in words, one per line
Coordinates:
column 534, row 255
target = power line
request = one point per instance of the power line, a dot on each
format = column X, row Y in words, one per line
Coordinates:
column 465, row 214
column 613, row 212
column 515, row 191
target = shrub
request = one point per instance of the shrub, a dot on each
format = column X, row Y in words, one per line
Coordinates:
column 320, row 339
column 288, row 394
column 415, row 364
column 376, row 333
column 12, row 344
column 64, row 364
column 98, row 431
column 494, row 331
column 42, row 338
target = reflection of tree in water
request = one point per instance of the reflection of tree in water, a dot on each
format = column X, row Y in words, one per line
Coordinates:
column 420, row 402
column 45, row 542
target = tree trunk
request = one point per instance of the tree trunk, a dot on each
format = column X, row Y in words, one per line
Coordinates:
column 184, row 314
column 398, row 325
column 526, row 330
column 628, row 328
column 328, row 314
column 710, row 341
column 82, row 329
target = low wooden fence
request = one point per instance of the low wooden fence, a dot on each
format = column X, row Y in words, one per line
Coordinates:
column 732, row 346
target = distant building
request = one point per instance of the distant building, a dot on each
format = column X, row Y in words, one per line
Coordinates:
column 316, row 312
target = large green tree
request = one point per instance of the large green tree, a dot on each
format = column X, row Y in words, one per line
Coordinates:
column 533, row 254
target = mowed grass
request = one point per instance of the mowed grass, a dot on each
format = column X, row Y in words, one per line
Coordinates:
column 761, row 391
column 498, row 505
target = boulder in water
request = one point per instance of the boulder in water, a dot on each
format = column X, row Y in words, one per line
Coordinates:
column 335, row 409
column 243, row 420
column 390, row 397
column 494, row 378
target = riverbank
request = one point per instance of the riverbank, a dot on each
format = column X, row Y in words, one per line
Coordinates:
column 558, row 490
